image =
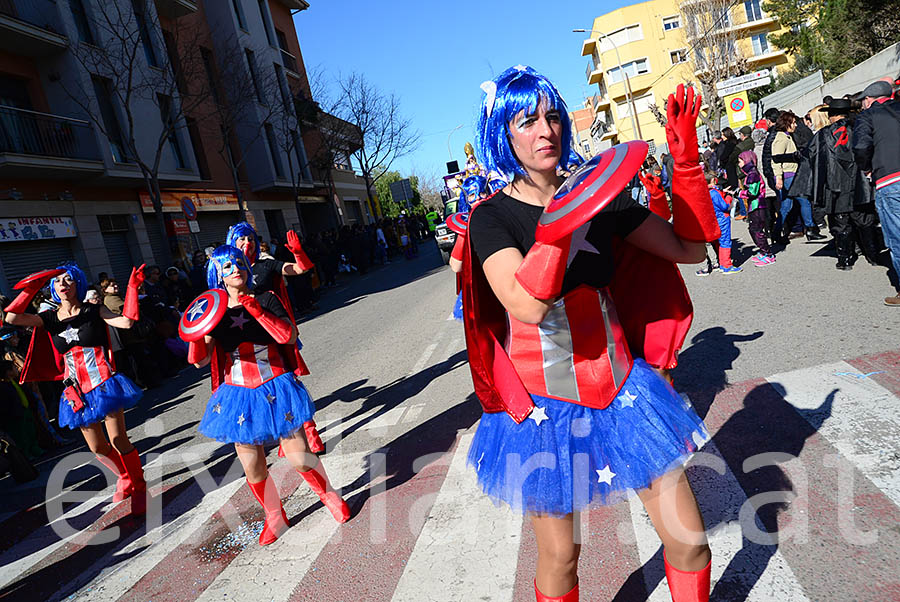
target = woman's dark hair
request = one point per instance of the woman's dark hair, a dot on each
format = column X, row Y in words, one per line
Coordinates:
column 784, row 121
column 728, row 134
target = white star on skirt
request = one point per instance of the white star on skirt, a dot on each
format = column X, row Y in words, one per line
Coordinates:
column 69, row 334
column 628, row 399
column 217, row 408
column 605, row 475
column 241, row 419
column 288, row 417
column 270, row 398
column 539, row 414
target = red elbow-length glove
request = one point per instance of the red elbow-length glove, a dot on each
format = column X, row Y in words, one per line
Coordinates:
column 278, row 328
column 293, row 245
column 658, row 203
column 542, row 271
column 132, row 309
column 197, row 351
column 35, row 283
column 692, row 213
column 458, row 247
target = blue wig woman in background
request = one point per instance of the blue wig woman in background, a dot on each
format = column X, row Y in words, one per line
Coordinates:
column 472, row 191
column 72, row 344
column 257, row 396
column 571, row 417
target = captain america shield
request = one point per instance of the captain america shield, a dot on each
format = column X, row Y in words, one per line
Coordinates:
column 42, row 276
column 591, row 188
column 203, row 314
column 458, row 222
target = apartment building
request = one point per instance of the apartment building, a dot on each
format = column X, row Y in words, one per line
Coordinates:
column 70, row 191
column 647, row 46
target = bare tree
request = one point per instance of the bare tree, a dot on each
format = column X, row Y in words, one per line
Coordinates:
column 430, row 185
column 136, row 64
column 715, row 53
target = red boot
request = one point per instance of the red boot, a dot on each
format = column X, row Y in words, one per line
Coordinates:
column 266, row 493
column 132, row 461
column 688, row 586
column 113, row 461
column 312, row 437
column 318, row 482
column 572, row 596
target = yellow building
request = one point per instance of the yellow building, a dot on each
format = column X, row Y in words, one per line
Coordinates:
column 648, row 47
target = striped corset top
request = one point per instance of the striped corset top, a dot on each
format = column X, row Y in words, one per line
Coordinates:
column 252, row 364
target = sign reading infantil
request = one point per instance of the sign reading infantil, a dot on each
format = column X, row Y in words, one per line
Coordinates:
column 19, row 229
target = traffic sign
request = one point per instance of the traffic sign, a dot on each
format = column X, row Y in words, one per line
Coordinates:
column 738, row 108
column 756, row 83
column 188, row 208
column 741, row 79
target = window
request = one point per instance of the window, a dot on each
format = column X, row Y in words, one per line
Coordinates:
column 620, row 37
column 206, row 57
column 670, row 23
column 678, row 56
column 81, row 21
column 283, row 87
column 264, row 15
column 239, row 14
column 760, row 44
column 175, row 62
column 753, row 10
column 251, row 64
column 199, row 152
column 110, row 120
column 273, row 151
column 632, row 69
column 290, row 62
column 167, row 117
column 300, row 150
column 144, row 32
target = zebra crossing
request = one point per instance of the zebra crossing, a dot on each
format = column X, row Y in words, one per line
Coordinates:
column 799, row 487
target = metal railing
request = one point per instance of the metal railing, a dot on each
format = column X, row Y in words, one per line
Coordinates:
column 42, row 13
column 32, row 133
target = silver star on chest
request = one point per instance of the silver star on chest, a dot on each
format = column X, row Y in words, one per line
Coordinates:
column 288, row 417
column 539, row 414
column 69, row 334
column 270, row 398
column 580, row 243
column 197, row 310
column 605, row 475
column 628, row 399
column 238, row 321
column 217, row 408
column 241, row 419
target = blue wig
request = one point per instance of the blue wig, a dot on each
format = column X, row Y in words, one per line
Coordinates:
column 74, row 272
column 496, row 184
column 226, row 253
column 471, row 190
column 243, row 229
column 518, row 89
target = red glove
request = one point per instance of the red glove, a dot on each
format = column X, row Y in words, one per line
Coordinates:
column 196, row 351
column 293, row 245
column 542, row 271
column 278, row 328
column 23, row 300
column 693, row 216
column 458, row 247
column 131, row 309
column 658, row 203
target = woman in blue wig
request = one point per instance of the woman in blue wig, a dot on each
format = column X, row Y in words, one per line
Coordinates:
column 268, row 276
column 573, row 412
column 257, row 397
column 473, row 189
column 72, row 343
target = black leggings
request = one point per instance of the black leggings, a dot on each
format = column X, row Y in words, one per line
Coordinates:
column 758, row 230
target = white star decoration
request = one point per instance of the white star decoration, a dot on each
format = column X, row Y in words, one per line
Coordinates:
column 270, row 398
column 238, row 321
column 288, row 417
column 628, row 399
column 197, row 310
column 69, row 334
column 539, row 414
column 241, row 419
column 580, row 243
column 217, row 408
column 605, row 475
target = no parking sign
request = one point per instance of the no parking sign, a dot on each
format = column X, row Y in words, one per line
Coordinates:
column 738, row 108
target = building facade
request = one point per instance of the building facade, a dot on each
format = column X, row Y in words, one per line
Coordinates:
column 69, row 189
column 652, row 47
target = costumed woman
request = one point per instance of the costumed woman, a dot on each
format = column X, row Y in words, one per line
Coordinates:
column 268, row 275
column 472, row 191
column 72, row 344
column 257, row 398
column 563, row 334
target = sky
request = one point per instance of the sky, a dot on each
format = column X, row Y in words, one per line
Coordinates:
column 434, row 55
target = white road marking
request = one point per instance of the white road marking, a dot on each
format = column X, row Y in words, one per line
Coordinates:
column 463, row 519
column 426, row 355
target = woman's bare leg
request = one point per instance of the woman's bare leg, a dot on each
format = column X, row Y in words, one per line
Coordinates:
column 557, row 564
column 253, row 459
column 115, row 426
column 672, row 507
column 297, row 452
column 96, row 439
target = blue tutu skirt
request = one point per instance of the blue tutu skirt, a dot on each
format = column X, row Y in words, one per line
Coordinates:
column 116, row 393
column 275, row 409
column 566, row 456
column 457, row 308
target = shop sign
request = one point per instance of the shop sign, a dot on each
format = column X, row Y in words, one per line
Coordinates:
column 201, row 200
column 176, row 226
column 17, row 229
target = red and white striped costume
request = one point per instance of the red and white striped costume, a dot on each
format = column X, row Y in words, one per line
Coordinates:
column 252, row 364
column 88, row 366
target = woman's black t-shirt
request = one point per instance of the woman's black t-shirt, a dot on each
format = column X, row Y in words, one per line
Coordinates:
column 84, row 329
column 238, row 326
column 265, row 271
column 502, row 221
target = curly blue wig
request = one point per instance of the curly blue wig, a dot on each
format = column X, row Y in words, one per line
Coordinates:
column 243, row 229
column 215, row 276
column 517, row 89
column 74, row 272
column 471, row 190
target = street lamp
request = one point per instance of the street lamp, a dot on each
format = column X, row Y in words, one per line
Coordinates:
column 636, row 128
column 450, row 152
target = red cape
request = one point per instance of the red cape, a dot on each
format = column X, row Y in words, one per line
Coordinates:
column 652, row 303
column 43, row 362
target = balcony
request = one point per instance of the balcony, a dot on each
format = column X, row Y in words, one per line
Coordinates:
column 30, row 28
column 174, row 9
column 36, row 144
column 772, row 55
column 290, row 63
column 594, row 75
column 588, row 47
